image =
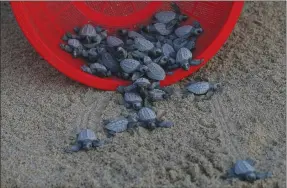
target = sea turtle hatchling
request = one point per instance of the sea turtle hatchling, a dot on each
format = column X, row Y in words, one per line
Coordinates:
column 202, row 88
column 187, row 31
column 155, row 72
column 99, row 70
column 120, row 124
column 131, row 65
column 159, row 28
column 113, row 41
column 245, row 171
column 88, row 30
column 168, row 50
column 86, row 140
column 108, row 61
column 183, row 57
column 157, row 95
column 75, row 44
column 133, row 100
column 148, row 119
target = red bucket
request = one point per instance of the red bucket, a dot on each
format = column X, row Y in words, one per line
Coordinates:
column 44, row 24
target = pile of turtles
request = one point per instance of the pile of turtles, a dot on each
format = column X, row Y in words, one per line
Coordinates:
column 153, row 51
column 144, row 57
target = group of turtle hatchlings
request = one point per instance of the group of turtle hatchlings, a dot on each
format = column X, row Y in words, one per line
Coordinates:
column 144, row 57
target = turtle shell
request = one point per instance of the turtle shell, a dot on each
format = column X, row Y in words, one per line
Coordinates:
column 198, row 88
column 88, row 31
column 156, row 94
column 243, row 167
column 183, row 55
column 114, row 41
column 161, row 29
column 142, row 82
column 165, row 16
column 109, row 62
column 99, row 67
column 86, row 134
column 143, row 44
column 179, row 43
column 133, row 35
column 75, row 43
column 155, row 72
column 168, row 50
column 131, row 97
column 117, row 125
column 183, row 31
column 146, row 114
column 129, row 65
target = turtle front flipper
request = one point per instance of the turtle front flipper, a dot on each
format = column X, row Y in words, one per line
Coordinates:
column 74, row 148
column 98, row 143
column 263, row 175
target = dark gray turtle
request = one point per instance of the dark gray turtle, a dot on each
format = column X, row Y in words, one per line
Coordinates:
column 66, row 48
column 244, row 170
column 157, row 28
column 168, row 50
column 116, row 126
column 143, row 45
column 190, row 44
column 179, row 17
column 131, row 65
column 179, row 43
column 99, row 69
column 121, row 53
column 75, row 43
column 165, row 16
column 133, row 100
column 162, row 61
column 194, row 62
column 137, row 75
column 134, row 35
column 113, row 41
column 142, row 83
column 86, row 69
column 149, row 119
column 86, row 140
column 88, row 31
column 138, row 55
column 157, row 95
column 109, row 62
column 120, row 124
column 92, row 54
column 183, row 57
column 187, row 30
column 202, row 88
column 155, row 72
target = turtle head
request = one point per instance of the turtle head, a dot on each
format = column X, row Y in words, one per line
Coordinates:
column 87, row 145
column 250, row 177
column 143, row 68
column 151, row 125
column 185, row 66
column 137, row 106
column 183, row 17
column 123, row 32
column 197, row 31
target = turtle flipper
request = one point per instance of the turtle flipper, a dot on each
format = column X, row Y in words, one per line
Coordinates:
column 251, row 162
column 74, row 148
column 208, row 95
column 231, row 174
column 263, row 175
column 98, row 143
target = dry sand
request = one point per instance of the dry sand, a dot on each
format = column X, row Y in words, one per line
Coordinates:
column 41, row 109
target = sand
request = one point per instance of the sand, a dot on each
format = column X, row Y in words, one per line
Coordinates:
column 41, row 110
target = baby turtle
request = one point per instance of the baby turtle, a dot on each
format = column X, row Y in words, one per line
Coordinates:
column 179, row 17
column 120, row 124
column 187, row 30
column 113, row 41
column 149, row 119
column 159, row 28
column 131, row 65
column 133, row 100
column 155, row 72
column 157, row 95
column 183, row 57
column 86, row 140
column 99, row 70
column 245, row 171
column 143, row 45
column 66, row 48
column 179, row 43
column 165, row 16
column 109, row 62
column 88, row 31
column 203, row 88
column 86, row 69
column 134, row 35
column 168, row 50
column 75, row 43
